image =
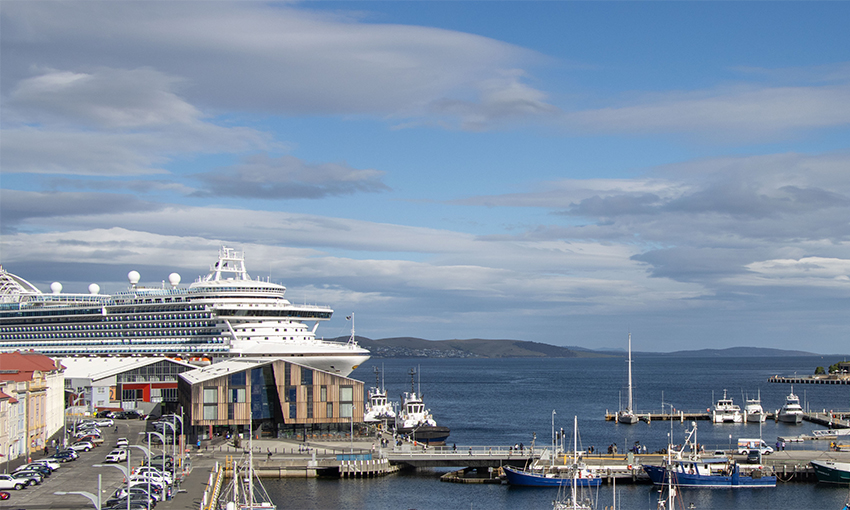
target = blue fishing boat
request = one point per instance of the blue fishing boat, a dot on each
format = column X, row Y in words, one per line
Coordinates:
column 562, row 475
column 710, row 473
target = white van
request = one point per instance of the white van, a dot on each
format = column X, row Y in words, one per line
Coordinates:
column 747, row 445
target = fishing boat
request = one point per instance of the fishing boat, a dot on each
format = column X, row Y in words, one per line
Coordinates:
column 791, row 411
column 726, row 411
column 544, row 473
column 628, row 415
column 573, row 500
column 753, row 411
column 830, row 471
column 378, row 408
column 693, row 471
column 417, row 422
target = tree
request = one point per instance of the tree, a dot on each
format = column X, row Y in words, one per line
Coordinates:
column 820, row 371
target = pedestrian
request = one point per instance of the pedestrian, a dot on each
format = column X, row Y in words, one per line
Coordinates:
column 454, row 447
column 470, row 450
column 45, row 451
column 269, row 451
column 783, row 446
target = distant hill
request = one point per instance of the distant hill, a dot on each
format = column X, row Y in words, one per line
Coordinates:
column 738, row 352
column 410, row 347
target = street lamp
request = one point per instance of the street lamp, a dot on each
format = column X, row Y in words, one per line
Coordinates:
column 95, row 499
column 161, row 438
column 174, row 440
column 125, row 470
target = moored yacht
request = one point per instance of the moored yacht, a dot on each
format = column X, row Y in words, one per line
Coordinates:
column 628, row 415
column 221, row 315
column 792, row 411
column 753, row 411
column 726, row 411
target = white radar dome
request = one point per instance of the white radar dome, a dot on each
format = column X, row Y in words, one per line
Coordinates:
column 134, row 277
column 94, row 288
column 56, row 287
column 174, row 279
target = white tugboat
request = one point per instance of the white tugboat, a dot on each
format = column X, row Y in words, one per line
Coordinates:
column 417, row 422
column 379, row 409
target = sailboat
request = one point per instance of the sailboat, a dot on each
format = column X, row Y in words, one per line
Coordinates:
column 246, row 491
column 628, row 416
column 571, row 500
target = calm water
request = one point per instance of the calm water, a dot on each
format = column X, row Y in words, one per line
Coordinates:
column 505, row 401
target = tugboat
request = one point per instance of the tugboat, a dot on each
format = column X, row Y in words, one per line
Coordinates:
column 416, row 421
column 378, row 409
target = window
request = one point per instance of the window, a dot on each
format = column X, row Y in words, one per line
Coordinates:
column 346, row 401
column 330, row 410
column 237, row 395
column 210, row 412
column 210, row 395
column 306, row 376
column 237, row 379
column 292, row 412
column 309, row 394
column 309, row 409
column 291, row 394
column 323, row 394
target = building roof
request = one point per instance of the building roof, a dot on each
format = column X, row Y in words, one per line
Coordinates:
column 235, row 365
column 20, row 365
column 97, row 368
column 12, row 400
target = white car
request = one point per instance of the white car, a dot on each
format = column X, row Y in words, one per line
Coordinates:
column 122, row 441
column 82, row 446
column 116, row 455
column 105, row 422
column 149, row 477
column 9, row 482
column 52, row 464
column 156, row 471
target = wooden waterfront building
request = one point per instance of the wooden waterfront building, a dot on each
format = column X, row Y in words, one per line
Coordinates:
column 277, row 397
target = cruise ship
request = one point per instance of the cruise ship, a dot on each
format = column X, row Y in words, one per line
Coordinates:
column 221, row 315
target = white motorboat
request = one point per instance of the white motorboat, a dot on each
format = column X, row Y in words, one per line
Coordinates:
column 221, row 315
column 628, row 415
column 753, row 411
column 726, row 411
column 791, row 411
column 417, row 422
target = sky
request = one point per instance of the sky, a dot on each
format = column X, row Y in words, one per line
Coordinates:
column 558, row 172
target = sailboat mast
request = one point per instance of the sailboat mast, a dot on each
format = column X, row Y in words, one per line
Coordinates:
column 629, row 409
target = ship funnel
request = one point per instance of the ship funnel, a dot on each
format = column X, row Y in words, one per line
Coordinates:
column 56, row 287
column 134, row 277
column 94, row 289
column 174, row 279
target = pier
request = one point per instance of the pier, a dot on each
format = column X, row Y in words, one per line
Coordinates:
column 810, row 379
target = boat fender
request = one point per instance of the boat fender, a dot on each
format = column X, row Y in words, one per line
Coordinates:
column 630, row 467
column 579, row 474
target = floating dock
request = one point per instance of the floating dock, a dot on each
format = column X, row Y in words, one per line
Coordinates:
column 810, row 379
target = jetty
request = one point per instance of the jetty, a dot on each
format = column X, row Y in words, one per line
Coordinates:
column 810, row 379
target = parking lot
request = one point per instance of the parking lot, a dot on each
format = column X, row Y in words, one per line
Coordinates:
column 79, row 475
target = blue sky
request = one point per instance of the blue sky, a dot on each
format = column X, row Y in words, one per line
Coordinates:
column 561, row 172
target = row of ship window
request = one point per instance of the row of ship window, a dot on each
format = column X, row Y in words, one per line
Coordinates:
column 78, row 327
column 192, row 349
column 162, row 317
column 113, row 342
column 107, row 334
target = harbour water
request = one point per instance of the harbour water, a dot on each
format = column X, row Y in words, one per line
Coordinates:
column 507, row 401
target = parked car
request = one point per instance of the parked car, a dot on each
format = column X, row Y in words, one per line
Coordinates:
column 84, row 446
column 29, row 476
column 64, row 456
column 52, row 464
column 753, row 457
column 156, row 471
column 10, row 482
column 140, row 488
column 41, row 468
column 157, row 461
column 122, row 441
column 105, row 422
column 116, row 455
column 150, row 477
column 135, row 496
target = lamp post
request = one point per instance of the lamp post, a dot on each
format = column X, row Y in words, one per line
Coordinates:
column 125, row 470
column 181, row 439
column 161, row 438
column 95, row 499
column 174, row 440
column 148, row 457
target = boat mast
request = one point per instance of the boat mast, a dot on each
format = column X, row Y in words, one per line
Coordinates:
column 629, row 408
